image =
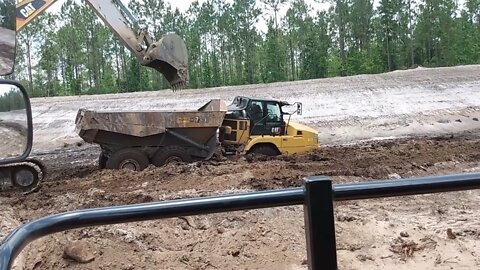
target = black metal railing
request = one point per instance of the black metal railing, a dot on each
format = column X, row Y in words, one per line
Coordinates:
column 317, row 196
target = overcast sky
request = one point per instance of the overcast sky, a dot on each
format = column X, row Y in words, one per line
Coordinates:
column 5, row 88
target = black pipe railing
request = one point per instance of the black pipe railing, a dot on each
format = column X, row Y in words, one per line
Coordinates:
column 319, row 219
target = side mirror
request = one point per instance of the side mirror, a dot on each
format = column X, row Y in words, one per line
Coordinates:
column 299, row 108
column 7, row 36
column 16, row 134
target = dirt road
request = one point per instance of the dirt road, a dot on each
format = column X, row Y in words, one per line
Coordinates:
column 353, row 116
column 14, row 132
column 368, row 232
column 15, row 139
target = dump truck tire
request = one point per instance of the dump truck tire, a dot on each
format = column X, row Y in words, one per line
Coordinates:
column 131, row 159
column 102, row 161
column 171, row 153
column 267, row 150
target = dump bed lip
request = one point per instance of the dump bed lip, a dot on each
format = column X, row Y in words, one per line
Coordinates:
column 134, row 111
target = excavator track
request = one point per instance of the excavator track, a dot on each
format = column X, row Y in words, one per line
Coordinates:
column 25, row 176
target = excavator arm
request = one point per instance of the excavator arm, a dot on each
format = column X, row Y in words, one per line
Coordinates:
column 168, row 55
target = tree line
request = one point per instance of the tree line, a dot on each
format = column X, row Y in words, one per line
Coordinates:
column 12, row 100
column 7, row 17
column 73, row 53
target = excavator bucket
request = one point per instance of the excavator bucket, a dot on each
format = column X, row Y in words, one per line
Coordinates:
column 169, row 57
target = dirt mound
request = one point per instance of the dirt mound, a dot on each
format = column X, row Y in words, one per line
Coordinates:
column 77, row 170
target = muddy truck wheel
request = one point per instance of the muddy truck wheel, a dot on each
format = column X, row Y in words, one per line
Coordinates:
column 130, row 159
column 170, row 154
column 266, row 150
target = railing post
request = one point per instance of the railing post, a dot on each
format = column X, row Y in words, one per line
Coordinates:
column 320, row 223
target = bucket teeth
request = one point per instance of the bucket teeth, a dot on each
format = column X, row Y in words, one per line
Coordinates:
column 179, row 86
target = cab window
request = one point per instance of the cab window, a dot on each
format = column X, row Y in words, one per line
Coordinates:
column 274, row 113
column 256, row 110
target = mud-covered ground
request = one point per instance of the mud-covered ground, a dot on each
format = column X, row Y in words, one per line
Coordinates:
column 353, row 115
column 13, row 133
column 368, row 232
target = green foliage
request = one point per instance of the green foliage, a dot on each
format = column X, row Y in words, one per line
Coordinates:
column 74, row 53
column 7, row 14
column 315, row 49
column 137, row 77
column 274, row 66
column 334, row 64
column 12, row 100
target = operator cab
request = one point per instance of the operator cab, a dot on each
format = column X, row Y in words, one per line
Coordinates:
column 257, row 125
column 266, row 116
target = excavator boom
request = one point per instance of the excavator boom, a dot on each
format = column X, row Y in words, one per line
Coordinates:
column 167, row 55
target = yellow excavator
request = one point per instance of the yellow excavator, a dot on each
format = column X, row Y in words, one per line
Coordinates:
column 168, row 55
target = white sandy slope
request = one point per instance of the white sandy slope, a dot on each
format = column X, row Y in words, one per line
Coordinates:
column 344, row 110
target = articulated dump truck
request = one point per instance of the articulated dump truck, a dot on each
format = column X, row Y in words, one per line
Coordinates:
column 135, row 139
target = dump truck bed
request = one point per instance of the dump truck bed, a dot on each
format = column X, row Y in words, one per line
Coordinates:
column 141, row 124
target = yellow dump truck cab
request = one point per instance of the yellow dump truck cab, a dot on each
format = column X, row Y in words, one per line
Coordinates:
column 263, row 126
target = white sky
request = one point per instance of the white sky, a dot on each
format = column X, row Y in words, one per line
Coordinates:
column 5, row 88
